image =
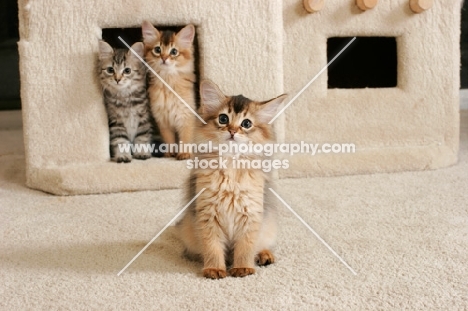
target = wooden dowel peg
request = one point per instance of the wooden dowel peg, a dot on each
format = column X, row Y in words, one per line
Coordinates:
column 419, row 6
column 313, row 6
column 366, row 4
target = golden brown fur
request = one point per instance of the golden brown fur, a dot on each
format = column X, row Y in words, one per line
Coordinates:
column 232, row 222
column 174, row 119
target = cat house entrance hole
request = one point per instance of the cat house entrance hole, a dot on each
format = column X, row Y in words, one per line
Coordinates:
column 132, row 35
column 369, row 62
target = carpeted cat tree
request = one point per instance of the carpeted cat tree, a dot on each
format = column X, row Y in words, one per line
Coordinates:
column 260, row 49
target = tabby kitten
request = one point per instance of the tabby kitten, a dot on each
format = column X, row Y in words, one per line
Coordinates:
column 123, row 80
column 233, row 221
column 170, row 55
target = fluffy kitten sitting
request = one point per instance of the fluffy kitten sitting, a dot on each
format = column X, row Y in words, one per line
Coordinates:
column 123, row 80
column 233, row 221
column 170, row 54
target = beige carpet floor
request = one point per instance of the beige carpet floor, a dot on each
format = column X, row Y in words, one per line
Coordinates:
column 405, row 234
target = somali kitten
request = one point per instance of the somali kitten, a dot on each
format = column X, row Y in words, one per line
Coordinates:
column 170, row 55
column 123, row 80
column 233, row 221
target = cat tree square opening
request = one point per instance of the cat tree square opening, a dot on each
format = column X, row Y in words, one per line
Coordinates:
column 114, row 37
column 369, row 62
column 132, row 35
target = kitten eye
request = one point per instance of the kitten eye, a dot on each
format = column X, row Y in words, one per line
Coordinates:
column 110, row 70
column 246, row 124
column 223, row 119
column 127, row 71
column 157, row 50
column 174, row 52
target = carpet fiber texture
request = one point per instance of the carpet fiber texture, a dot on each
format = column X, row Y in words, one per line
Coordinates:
column 405, row 234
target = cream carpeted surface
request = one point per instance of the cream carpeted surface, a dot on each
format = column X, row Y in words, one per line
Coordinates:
column 405, row 234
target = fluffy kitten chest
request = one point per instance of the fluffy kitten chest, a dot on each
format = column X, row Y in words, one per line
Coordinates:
column 235, row 199
column 127, row 111
column 131, row 123
column 129, row 116
column 182, row 84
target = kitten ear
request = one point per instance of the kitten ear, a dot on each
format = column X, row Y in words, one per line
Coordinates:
column 269, row 109
column 139, row 48
column 211, row 96
column 105, row 50
column 185, row 36
column 150, row 33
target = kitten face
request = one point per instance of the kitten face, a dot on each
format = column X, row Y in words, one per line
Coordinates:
column 120, row 68
column 167, row 51
column 234, row 122
column 236, row 119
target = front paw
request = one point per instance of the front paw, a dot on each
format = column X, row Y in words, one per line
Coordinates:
column 123, row 158
column 183, row 156
column 264, row 258
column 212, row 273
column 241, row 272
column 142, row 156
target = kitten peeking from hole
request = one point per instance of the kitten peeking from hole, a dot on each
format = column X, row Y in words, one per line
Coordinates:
column 232, row 224
column 170, row 55
column 123, row 80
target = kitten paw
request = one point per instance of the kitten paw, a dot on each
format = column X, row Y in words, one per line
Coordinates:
column 212, row 273
column 142, row 156
column 123, row 158
column 241, row 272
column 183, row 156
column 264, row 258
column 169, row 155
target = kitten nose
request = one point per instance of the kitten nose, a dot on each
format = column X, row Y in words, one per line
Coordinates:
column 164, row 58
column 117, row 78
column 232, row 131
